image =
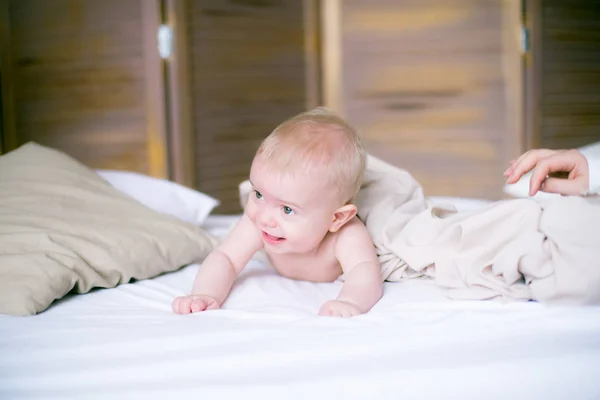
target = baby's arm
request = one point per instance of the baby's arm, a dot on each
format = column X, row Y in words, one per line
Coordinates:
column 363, row 287
column 220, row 269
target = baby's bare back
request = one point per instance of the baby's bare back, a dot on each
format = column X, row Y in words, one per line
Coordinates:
column 318, row 266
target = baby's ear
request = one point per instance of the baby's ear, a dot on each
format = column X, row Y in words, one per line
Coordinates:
column 341, row 216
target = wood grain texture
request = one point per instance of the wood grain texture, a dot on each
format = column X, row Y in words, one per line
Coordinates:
column 78, row 68
column 248, row 63
column 179, row 100
column 569, row 110
column 424, row 82
column 156, row 114
column 8, row 137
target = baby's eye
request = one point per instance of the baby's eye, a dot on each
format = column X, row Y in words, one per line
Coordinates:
column 287, row 210
column 258, row 194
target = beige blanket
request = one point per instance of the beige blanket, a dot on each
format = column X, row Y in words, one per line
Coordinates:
column 511, row 250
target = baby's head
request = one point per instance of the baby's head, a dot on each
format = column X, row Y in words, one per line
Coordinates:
column 305, row 175
column 320, row 144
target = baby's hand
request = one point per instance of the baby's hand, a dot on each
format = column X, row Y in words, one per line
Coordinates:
column 339, row 308
column 194, row 303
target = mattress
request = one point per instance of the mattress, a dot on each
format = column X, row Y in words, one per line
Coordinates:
column 268, row 342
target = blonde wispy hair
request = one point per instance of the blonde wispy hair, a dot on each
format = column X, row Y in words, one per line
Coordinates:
column 318, row 141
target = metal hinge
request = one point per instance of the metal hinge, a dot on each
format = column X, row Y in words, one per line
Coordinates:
column 165, row 41
column 524, row 39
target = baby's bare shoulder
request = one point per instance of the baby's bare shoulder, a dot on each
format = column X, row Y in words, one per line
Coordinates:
column 354, row 246
column 353, row 232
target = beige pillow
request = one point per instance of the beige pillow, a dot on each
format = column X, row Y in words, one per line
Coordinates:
column 63, row 228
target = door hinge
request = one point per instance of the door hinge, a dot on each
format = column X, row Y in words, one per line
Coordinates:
column 165, row 41
column 525, row 45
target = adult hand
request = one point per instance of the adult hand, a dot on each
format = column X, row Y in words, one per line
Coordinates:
column 545, row 162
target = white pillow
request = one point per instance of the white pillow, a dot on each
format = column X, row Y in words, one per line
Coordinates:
column 521, row 187
column 162, row 195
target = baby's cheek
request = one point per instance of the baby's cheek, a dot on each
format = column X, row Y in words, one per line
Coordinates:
column 251, row 211
column 300, row 231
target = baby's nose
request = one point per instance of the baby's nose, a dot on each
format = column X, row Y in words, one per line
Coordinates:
column 267, row 218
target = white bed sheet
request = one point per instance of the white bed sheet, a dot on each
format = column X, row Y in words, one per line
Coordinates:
column 268, row 342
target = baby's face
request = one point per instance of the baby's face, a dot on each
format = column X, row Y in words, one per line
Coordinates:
column 294, row 213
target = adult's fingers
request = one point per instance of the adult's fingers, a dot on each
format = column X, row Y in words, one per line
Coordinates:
column 514, row 163
column 526, row 163
column 562, row 186
column 561, row 161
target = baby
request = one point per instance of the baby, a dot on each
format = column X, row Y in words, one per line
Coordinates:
column 304, row 177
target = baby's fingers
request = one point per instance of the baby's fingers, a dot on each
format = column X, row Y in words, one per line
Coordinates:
column 325, row 312
column 198, row 305
column 203, row 304
column 181, row 305
column 212, row 305
column 336, row 313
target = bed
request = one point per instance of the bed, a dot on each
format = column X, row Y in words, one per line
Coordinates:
column 268, row 342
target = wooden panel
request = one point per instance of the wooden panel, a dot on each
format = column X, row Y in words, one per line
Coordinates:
column 248, row 63
column 79, row 79
column 571, row 82
column 574, row 110
column 179, row 104
column 570, row 67
column 8, row 139
column 426, row 83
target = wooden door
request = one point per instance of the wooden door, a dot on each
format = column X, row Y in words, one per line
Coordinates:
column 434, row 87
column 84, row 76
column 563, row 73
column 253, row 65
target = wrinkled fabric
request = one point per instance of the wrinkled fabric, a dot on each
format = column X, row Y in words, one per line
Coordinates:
column 512, row 249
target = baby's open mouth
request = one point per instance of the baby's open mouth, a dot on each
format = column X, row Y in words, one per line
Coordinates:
column 272, row 239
